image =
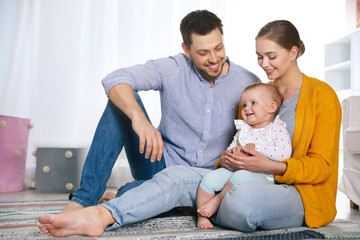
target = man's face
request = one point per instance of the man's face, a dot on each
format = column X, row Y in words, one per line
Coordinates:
column 208, row 54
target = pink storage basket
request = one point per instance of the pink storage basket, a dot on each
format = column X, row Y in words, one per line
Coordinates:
column 14, row 133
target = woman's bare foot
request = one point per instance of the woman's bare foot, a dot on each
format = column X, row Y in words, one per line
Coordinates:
column 72, row 206
column 204, row 222
column 107, row 197
column 90, row 221
column 210, row 207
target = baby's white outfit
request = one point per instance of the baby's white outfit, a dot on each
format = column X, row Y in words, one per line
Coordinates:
column 273, row 141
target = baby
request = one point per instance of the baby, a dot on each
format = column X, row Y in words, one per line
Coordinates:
column 260, row 130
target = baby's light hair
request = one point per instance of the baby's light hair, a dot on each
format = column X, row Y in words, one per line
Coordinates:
column 274, row 91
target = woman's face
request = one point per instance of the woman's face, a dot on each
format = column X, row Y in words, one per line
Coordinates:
column 273, row 58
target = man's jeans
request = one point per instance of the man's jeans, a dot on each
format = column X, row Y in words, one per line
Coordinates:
column 113, row 132
column 246, row 207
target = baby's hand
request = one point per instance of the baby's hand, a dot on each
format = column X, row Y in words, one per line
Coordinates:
column 250, row 146
column 238, row 150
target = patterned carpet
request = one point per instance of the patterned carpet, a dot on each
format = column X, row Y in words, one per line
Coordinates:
column 18, row 221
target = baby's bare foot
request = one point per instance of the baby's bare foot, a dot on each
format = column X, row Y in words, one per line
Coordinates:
column 209, row 208
column 204, row 222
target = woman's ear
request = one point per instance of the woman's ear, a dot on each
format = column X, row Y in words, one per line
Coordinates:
column 186, row 50
column 294, row 53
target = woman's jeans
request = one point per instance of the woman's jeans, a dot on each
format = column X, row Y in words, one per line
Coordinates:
column 246, row 207
column 113, row 132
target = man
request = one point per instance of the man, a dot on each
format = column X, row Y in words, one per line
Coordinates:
column 199, row 93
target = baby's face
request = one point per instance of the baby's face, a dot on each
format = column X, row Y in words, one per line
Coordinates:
column 257, row 107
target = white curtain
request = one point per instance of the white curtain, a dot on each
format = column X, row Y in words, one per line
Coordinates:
column 54, row 53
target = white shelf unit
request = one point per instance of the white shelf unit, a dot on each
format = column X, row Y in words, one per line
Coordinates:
column 342, row 65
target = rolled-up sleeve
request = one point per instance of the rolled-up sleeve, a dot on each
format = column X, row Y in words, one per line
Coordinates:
column 148, row 76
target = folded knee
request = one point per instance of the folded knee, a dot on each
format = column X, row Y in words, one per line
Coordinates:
column 237, row 210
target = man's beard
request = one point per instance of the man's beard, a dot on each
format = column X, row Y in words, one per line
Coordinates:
column 207, row 76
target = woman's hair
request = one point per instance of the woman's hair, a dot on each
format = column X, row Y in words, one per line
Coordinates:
column 273, row 90
column 284, row 33
column 200, row 22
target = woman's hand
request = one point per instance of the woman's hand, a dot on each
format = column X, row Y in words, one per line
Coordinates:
column 238, row 150
column 225, row 161
column 252, row 161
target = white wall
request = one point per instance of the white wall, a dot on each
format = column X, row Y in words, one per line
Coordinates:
column 54, row 53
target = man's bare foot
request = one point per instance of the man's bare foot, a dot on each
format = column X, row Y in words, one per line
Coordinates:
column 204, row 222
column 107, row 197
column 90, row 221
column 210, row 207
column 72, row 206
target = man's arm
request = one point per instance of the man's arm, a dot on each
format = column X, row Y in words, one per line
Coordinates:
column 122, row 95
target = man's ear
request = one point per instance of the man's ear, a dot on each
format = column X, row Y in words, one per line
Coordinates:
column 186, row 50
column 273, row 107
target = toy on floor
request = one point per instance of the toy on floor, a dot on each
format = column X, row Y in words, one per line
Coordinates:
column 58, row 169
column 14, row 133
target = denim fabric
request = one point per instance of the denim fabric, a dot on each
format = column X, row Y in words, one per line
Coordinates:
column 173, row 187
column 113, row 132
column 246, row 206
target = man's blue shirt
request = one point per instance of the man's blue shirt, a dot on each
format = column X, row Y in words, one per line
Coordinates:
column 197, row 119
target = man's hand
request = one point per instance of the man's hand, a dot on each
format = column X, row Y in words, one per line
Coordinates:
column 122, row 95
column 150, row 137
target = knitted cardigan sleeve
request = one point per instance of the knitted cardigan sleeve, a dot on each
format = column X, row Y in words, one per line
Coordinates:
column 313, row 167
column 316, row 135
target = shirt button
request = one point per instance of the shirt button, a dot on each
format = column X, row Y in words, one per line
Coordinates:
column 206, row 132
column 208, row 110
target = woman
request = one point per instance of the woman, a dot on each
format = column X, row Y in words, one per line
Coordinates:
column 307, row 182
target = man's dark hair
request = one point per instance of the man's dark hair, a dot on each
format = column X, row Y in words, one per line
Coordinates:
column 201, row 22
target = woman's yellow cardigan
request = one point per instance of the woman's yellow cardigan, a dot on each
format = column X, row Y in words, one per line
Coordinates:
column 313, row 167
